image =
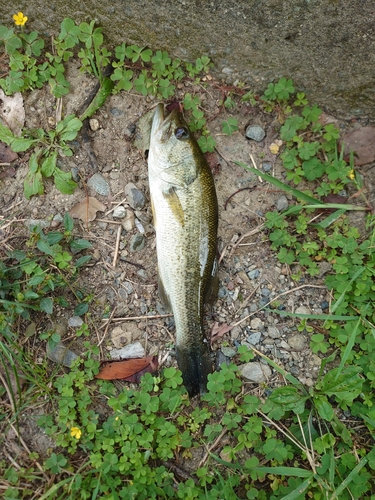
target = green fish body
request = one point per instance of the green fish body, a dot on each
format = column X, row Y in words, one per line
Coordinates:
column 185, row 211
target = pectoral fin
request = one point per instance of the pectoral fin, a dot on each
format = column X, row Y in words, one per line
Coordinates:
column 175, row 205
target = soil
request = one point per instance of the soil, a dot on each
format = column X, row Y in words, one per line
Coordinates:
column 128, row 286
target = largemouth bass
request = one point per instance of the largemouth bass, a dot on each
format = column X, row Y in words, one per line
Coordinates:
column 185, row 212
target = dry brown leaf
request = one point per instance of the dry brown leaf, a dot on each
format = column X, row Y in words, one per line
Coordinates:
column 219, row 330
column 12, row 111
column 129, row 369
column 6, row 154
column 86, row 209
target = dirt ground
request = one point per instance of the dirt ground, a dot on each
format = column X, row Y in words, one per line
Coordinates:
column 128, row 285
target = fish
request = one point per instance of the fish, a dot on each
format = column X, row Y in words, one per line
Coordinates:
column 185, row 217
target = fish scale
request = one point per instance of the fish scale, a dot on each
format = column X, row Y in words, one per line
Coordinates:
column 185, row 214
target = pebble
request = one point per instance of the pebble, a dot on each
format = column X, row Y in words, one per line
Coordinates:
column 256, row 324
column 255, row 372
column 297, row 342
column 220, row 360
column 119, row 212
column 116, row 112
column 128, row 287
column 137, row 243
column 282, row 203
column 255, row 273
column 30, row 223
column 267, row 167
column 94, row 124
column 129, row 222
column 235, row 332
column 75, row 322
column 99, row 184
column 255, row 132
column 135, row 197
column 135, row 350
column 61, row 354
column 273, row 332
column 303, row 310
column 229, row 352
column 265, row 292
column 254, row 338
column 324, row 305
column 139, row 226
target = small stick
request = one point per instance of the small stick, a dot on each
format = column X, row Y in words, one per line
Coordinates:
column 119, row 229
column 117, row 205
column 255, row 166
column 107, row 326
column 108, row 221
column 212, row 447
column 132, row 318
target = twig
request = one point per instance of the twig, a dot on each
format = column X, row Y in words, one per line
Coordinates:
column 132, row 318
column 108, row 221
column 117, row 205
column 255, row 166
column 119, row 229
column 212, row 447
column 10, row 396
column 250, row 233
column 107, row 326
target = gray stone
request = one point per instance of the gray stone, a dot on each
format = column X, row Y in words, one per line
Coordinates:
column 135, row 350
column 30, row 223
column 273, row 332
column 282, row 203
column 119, row 212
column 297, row 342
column 135, row 197
column 99, row 184
column 137, row 242
column 228, row 351
column 255, row 273
column 257, row 324
column 255, row 132
column 265, row 292
column 75, row 322
column 254, row 338
column 116, row 112
column 303, row 310
column 255, row 372
column 61, row 354
column 235, row 332
column 267, row 167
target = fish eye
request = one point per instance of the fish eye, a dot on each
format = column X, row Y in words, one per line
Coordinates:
column 181, row 133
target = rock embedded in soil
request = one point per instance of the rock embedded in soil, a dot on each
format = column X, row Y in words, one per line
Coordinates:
column 282, row 203
column 297, row 342
column 135, row 350
column 135, row 197
column 99, row 184
column 255, row 132
column 137, row 243
column 61, row 354
column 119, row 212
column 254, row 338
column 255, row 372
column 75, row 322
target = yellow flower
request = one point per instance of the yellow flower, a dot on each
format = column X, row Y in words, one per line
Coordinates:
column 75, row 432
column 20, row 19
column 352, row 175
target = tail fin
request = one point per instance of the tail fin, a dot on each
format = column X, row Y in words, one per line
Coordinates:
column 195, row 364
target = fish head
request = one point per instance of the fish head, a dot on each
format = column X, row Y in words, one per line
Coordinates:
column 174, row 152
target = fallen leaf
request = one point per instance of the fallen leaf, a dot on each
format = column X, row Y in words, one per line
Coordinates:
column 129, row 369
column 6, row 154
column 12, row 111
column 86, row 209
column 362, row 142
column 219, row 330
